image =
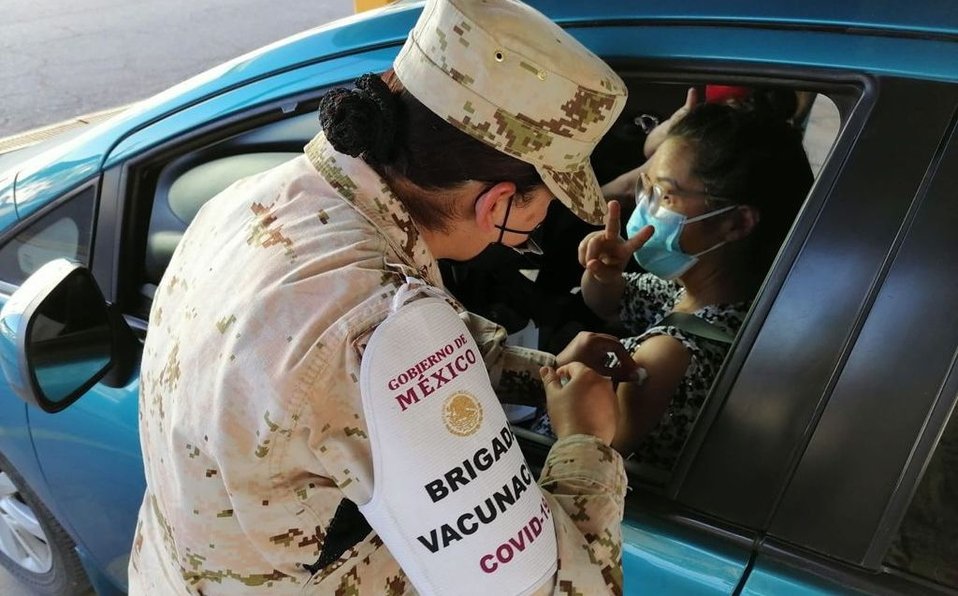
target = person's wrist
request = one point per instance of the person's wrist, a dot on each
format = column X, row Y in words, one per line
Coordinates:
column 571, row 425
column 603, row 437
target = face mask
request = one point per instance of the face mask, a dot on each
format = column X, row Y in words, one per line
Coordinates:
column 661, row 255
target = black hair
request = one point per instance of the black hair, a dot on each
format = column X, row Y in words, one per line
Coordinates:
column 750, row 153
column 403, row 140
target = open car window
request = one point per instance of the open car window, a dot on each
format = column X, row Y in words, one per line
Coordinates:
column 182, row 185
column 547, row 294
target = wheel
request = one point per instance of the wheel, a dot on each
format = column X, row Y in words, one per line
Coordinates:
column 33, row 546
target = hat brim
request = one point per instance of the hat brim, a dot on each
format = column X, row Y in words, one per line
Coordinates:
column 579, row 190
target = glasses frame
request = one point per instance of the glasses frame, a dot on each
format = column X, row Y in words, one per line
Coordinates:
column 658, row 192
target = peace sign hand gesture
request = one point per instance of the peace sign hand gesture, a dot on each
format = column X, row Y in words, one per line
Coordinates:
column 604, row 253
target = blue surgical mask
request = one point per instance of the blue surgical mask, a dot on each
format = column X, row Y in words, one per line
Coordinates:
column 661, row 255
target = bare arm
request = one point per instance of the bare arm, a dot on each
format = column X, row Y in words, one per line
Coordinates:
column 642, row 406
column 603, row 298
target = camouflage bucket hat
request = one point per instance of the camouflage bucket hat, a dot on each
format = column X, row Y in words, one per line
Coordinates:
column 505, row 74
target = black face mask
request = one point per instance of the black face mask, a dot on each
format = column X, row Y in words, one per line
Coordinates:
column 527, row 248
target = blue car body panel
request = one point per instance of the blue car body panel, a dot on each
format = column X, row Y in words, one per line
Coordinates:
column 90, row 452
column 883, row 16
column 662, row 558
column 101, row 464
column 261, row 92
column 8, row 207
column 767, row 578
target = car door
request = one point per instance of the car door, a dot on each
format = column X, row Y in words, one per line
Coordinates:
column 812, row 444
column 886, row 422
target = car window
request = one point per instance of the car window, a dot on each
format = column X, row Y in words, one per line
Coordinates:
column 64, row 231
column 560, row 315
column 184, row 183
column 817, row 119
column 183, row 190
column 926, row 544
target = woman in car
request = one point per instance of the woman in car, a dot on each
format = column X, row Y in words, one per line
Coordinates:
column 713, row 204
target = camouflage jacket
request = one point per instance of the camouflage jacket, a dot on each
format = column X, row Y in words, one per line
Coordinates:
column 251, row 419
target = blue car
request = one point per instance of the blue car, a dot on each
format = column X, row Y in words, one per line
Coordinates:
column 826, row 457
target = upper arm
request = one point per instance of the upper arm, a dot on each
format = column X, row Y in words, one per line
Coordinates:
column 666, row 361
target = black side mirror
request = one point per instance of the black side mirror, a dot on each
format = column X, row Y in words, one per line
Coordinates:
column 58, row 337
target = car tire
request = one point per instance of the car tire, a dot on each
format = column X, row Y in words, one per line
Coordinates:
column 34, row 548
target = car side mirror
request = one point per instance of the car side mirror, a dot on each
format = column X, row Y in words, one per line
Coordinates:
column 58, row 337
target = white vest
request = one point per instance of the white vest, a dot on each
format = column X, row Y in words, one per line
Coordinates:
column 454, row 500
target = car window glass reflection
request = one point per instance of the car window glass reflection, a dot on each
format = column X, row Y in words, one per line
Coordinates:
column 62, row 232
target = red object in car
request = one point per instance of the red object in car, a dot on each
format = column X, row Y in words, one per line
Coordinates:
column 722, row 93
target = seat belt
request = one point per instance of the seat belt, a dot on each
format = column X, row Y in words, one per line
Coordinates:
column 695, row 325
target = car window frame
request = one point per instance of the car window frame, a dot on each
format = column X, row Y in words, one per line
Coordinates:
column 128, row 212
column 7, row 288
column 768, row 548
column 854, row 95
column 823, row 563
column 832, row 174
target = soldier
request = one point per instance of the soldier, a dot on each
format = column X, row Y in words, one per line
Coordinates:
column 301, row 379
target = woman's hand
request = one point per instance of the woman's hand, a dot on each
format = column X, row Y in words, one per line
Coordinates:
column 604, row 253
column 580, row 401
column 592, row 349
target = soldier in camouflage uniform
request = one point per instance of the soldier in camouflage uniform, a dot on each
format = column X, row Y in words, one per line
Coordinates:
column 254, row 439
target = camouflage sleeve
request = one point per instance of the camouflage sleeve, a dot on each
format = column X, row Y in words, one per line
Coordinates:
column 585, row 484
column 513, row 370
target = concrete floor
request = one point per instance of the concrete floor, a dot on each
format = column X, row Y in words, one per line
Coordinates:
column 62, row 58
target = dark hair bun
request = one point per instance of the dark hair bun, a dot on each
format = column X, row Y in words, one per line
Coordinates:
column 361, row 120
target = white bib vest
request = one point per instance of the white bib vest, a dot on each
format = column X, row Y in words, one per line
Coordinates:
column 454, row 500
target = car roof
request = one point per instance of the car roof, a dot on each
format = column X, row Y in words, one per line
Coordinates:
column 922, row 17
column 48, row 175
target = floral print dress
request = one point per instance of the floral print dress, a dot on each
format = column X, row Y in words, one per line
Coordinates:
column 646, row 301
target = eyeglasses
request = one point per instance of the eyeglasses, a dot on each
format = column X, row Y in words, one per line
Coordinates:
column 658, row 197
